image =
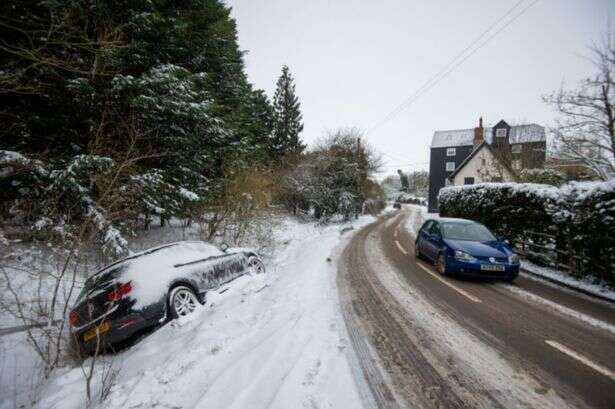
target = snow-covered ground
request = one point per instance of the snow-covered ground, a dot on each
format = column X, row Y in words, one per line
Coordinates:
column 274, row 340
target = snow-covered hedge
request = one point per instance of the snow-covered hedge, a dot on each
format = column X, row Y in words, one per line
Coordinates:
column 412, row 199
column 579, row 217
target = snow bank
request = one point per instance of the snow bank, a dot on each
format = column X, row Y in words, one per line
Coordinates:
column 265, row 341
column 587, row 284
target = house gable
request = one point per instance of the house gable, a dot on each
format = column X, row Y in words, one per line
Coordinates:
column 501, row 134
column 482, row 165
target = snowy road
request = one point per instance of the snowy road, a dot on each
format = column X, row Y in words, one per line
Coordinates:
column 426, row 341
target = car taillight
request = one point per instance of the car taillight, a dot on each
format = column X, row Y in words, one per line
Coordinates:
column 73, row 317
column 119, row 291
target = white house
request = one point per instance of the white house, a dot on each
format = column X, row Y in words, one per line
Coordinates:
column 481, row 166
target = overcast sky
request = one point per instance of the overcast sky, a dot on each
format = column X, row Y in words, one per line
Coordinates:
column 355, row 61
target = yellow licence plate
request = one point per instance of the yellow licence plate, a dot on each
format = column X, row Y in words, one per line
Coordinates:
column 101, row 329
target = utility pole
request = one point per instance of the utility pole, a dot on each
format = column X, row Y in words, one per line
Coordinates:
column 358, row 176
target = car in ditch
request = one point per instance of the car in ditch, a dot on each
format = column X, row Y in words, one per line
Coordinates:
column 151, row 287
column 466, row 248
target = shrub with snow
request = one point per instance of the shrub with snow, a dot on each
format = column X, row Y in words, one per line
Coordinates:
column 543, row 176
column 411, row 199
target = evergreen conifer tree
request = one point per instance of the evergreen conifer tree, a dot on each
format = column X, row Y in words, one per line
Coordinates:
column 288, row 119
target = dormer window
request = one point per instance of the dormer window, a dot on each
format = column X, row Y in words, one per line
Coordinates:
column 500, row 133
column 451, row 151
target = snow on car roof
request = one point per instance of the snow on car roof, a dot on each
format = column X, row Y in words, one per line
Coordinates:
column 451, row 219
column 151, row 270
column 205, row 247
column 465, row 137
column 455, row 220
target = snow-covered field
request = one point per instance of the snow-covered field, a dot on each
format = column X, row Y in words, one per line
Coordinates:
column 274, row 340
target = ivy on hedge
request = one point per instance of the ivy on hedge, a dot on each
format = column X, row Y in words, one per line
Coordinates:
column 580, row 215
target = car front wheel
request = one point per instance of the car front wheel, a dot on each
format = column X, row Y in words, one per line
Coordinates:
column 182, row 301
column 255, row 266
column 441, row 263
column 417, row 250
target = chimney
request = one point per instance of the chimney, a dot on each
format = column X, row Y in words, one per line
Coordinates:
column 479, row 133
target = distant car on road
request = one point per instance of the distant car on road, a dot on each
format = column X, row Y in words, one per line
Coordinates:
column 396, row 205
column 150, row 287
column 466, row 248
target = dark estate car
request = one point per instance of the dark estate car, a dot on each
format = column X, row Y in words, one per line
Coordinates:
column 466, row 248
column 150, row 287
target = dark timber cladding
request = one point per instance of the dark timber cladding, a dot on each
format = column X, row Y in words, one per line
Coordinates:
column 438, row 172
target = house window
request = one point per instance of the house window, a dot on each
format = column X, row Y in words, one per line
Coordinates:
column 468, row 181
column 450, row 166
column 500, row 133
column 451, row 151
column 517, row 148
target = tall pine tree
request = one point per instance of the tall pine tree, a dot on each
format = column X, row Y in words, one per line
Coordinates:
column 288, row 119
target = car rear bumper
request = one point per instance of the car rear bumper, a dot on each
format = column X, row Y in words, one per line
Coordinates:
column 474, row 270
column 119, row 329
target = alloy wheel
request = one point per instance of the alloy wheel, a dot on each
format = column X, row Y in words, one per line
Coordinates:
column 184, row 301
column 255, row 266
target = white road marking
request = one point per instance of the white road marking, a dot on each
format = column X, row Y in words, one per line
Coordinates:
column 562, row 309
column 396, row 232
column 598, row 368
column 459, row 290
column 400, row 248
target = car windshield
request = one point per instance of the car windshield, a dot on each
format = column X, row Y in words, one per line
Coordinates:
column 466, row 231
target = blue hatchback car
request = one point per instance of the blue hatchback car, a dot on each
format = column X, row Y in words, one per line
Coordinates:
column 466, row 248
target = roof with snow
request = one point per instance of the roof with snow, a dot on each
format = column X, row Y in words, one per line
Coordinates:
column 464, row 137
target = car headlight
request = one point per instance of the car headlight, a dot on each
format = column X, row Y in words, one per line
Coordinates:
column 513, row 259
column 463, row 256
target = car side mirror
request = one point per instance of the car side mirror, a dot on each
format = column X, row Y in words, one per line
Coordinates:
column 224, row 247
